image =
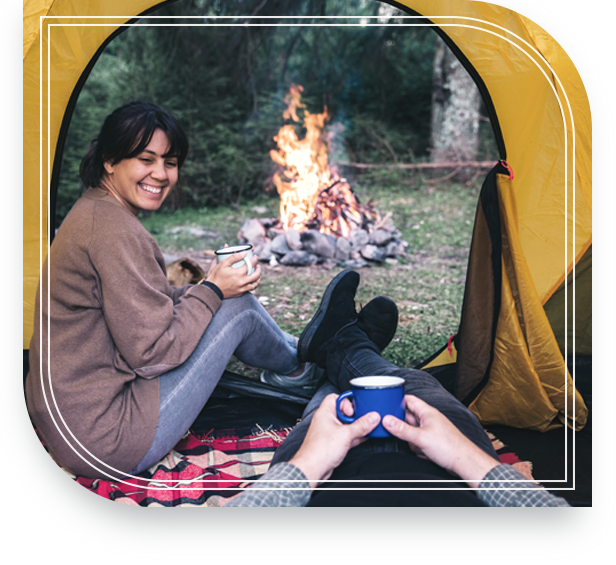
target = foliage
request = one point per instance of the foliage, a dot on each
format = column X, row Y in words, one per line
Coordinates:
column 226, row 84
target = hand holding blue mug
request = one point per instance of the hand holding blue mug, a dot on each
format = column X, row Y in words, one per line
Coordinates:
column 382, row 394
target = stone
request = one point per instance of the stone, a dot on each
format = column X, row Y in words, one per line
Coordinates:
column 343, row 249
column 279, row 245
column 274, row 231
column 381, row 237
column 251, row 231
column 394, row 249
column 373, row 253
column 355, row 264
column 259, row 241
column 269, row 222
column 293, row 239
column 358, row 238
column 264, row 250
column 318, row 243
column 298, row 259
column 355, row 255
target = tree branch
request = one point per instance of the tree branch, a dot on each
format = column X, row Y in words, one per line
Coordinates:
column 442, row 165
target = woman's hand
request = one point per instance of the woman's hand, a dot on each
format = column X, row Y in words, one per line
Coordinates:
column 328, row 440
column 233, row 281
column 432, row 436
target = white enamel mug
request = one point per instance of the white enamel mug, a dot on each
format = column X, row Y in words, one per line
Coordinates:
column 224, row 252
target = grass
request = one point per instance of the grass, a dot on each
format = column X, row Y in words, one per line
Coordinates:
column 428, row 287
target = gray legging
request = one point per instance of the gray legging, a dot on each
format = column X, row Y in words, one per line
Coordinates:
column 241, row 327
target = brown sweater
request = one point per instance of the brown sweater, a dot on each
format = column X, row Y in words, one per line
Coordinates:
column 115, row 325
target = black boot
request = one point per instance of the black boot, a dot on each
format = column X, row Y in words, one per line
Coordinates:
column 344, row 357
column 336, row 311
column 379, row 320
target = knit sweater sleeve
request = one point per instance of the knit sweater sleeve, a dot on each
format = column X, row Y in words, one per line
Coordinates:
column 154, row 330
column 505, row 486
column 176, row 292
column 283, row 485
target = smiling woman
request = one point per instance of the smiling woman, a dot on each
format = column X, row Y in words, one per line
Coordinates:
column 143, row 182
column 123, row 363
column 138, row 153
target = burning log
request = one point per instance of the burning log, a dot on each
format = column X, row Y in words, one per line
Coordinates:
column 338, row 211
column 321, row 219
column 312, row 194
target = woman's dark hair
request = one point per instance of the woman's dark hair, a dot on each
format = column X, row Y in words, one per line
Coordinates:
column 126, row 132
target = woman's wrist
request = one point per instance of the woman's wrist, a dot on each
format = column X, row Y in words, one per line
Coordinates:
column 213, row 286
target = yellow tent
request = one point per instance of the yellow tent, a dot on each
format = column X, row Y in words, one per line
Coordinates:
column 541, row 116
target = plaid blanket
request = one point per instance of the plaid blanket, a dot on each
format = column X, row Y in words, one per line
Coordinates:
column 204, row 469
column 207, row 469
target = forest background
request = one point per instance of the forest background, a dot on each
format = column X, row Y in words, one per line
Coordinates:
column 386, row 87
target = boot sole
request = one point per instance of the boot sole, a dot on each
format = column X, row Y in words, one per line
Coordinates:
column 306, row 338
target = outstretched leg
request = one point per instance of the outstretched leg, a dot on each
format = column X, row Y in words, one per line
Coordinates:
column 352, row 355
column 345, row 344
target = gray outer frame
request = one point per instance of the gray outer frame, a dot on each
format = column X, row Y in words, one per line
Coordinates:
column 332, row 532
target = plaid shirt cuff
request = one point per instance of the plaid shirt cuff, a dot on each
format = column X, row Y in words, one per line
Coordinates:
column 505, row 486
column 283, row 485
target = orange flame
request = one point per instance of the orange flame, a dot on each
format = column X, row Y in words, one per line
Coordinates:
column 306, row 184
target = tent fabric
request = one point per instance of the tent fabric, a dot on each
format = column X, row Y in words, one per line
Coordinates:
column 482, row 294
column 540, row 101
column 509, row 368
column 535, row 94
column 68, row 33
column 529, row 385
column 576, row 335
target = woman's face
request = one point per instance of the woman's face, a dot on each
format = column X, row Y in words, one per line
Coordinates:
column 143, row 182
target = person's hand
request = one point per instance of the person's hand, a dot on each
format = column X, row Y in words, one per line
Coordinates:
column 231, row 281
column 328, row 440
column 432, row 436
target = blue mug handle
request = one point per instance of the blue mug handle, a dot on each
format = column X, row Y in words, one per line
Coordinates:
column 343, row 417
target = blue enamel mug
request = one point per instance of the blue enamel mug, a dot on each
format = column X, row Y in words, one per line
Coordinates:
column 382, row 394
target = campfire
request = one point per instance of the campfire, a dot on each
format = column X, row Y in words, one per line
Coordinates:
column 321, row 219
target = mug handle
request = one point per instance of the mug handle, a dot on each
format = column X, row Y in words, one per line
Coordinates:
column 249, row 269
column 343, row 417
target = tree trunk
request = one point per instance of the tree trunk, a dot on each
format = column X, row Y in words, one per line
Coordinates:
column 455, row 109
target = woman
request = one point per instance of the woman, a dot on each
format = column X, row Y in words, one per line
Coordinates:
column 121, row 363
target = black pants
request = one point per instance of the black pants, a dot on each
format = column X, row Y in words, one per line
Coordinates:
column 352, row 355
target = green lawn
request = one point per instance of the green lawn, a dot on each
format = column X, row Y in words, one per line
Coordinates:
column 428, row 287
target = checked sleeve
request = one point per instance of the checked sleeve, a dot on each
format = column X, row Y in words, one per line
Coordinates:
column 283, row 485
column 505, row 486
